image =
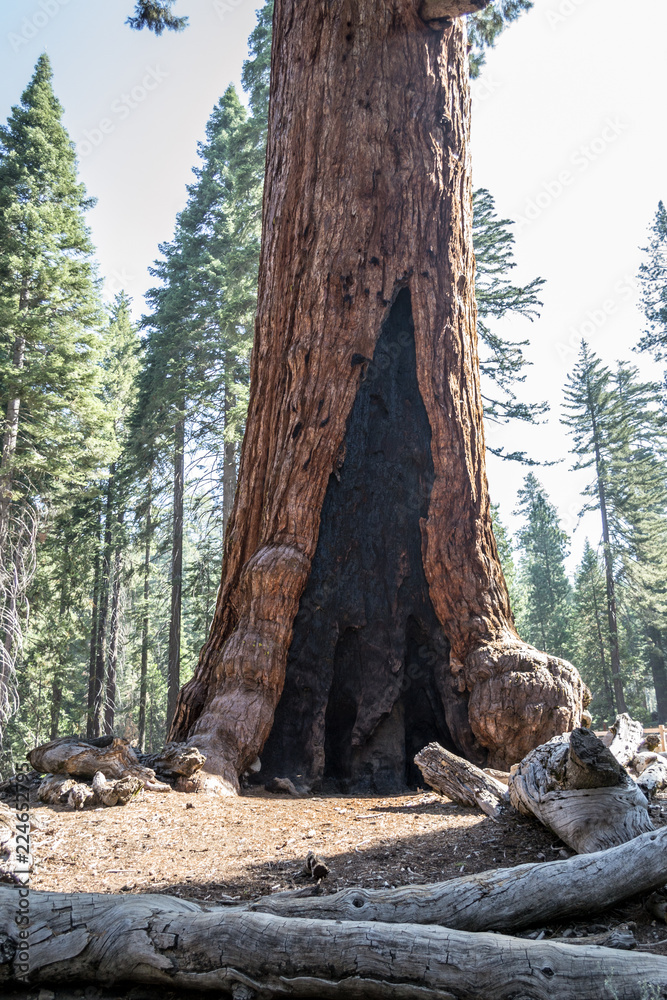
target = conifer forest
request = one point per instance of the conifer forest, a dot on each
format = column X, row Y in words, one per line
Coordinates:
column 299, row 519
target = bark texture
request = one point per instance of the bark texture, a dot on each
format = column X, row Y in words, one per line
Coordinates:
column 367, row 245
column 173, row 943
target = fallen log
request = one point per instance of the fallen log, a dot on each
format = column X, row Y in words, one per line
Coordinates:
column 80, row 757
column 56, row 789
column 461, row 781
column 168, row 942
column 575, row 786
column 505, row 899
column 651, row 769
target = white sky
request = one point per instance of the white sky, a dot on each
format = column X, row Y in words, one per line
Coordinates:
column 568, row 135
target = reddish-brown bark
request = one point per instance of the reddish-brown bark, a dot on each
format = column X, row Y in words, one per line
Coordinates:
column 367, row 192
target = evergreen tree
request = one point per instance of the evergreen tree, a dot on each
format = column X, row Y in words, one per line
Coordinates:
column 156, row 15
column 617, row 430
column 502, row 361
column 506, row 554
column 547, row 613
column 485, row 28
column 653, row 279
column 55, row 432
column 591, row 636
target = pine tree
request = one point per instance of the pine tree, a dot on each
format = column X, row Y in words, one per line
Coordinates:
column 591, row 637
column 55, row 432
column 546, row 620
column 618, row 430
column 653, row 279
column 502, row 361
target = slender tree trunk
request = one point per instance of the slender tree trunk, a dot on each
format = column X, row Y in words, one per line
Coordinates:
column 102, row 619
column 174, row 667
column 114, row 629
column 11, row 431
column 659, row 672
column 92, row 685
column 361, row 530
column 143, row 683
column 612, row 616
column 603, row 658
column 57, row 684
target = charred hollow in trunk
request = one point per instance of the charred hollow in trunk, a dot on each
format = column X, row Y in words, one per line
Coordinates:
column 367, row 677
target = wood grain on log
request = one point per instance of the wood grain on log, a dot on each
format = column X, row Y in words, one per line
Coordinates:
column 365, row 200
column 461, row 781
column 506, row 899
column 651, row 769
column 173, row 943
column 576, row 787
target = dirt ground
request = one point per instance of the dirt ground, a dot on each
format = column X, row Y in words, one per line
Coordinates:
column 205, row 848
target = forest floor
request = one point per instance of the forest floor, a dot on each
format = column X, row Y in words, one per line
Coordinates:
column 204, row 848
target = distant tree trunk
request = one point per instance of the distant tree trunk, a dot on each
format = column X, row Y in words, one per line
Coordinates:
column 102, row 618
column 360, row 548
column 57, row 684
column 612, row 616
column 143, row 683
column 603, row 659
column 92, row 661
column 114, row 629
column 174, row 668
column 659, row 672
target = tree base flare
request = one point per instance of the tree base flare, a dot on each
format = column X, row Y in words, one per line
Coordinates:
column 520, row 698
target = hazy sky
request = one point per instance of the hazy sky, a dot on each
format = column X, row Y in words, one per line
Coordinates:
column 568, row 135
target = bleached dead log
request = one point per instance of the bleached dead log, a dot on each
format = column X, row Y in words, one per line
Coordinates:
column 174, row 760
column 59, row 790
column 460, row 780
column 83, row 758
column 651, row 769
column 169, row 942
column 575, row 786
column 506, row 899
column 628, row 735
column 56, row 789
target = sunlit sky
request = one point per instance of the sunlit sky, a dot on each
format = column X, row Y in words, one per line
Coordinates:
column 568, row 135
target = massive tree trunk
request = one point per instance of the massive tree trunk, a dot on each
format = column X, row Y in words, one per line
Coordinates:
column 360, row 551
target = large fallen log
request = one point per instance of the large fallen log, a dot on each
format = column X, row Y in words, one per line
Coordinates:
column 575, row 786
column 506, row 899
column 173, row 943
column 80, row 757
column 461, row 781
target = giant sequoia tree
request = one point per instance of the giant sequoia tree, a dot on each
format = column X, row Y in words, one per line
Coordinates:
column 363, row 609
